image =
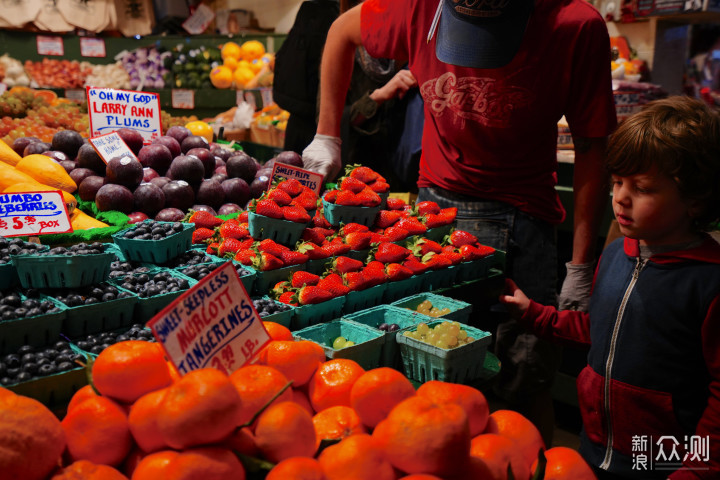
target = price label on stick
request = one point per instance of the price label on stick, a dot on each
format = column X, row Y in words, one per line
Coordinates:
column 111, row 145
column 310, row 179
column 214, row 324
column 33, row 213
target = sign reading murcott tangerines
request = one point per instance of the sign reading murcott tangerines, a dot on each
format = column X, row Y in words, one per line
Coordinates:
column 214, row 324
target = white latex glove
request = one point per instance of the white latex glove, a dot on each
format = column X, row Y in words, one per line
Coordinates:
column 323, row 156
column 575, row 291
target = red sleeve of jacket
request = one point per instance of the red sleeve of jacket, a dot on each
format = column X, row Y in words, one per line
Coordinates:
column 709, row 425
column 567, row 327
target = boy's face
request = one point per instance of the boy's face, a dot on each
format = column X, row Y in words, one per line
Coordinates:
column 648, row 207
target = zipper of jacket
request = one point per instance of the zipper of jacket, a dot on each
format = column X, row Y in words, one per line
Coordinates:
column 639, row 265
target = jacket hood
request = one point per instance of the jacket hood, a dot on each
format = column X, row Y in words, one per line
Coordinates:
column 707, row 251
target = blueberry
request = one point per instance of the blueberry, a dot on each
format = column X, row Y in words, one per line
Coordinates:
column 30, row 367
column 47, row 369
column 25, row 349
column 65, row 366
column 12, row 360
column 23, row 377
column 96, row 349
column 13, row 372
column 6, row 381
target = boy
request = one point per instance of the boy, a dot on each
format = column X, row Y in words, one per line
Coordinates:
column 650, row 394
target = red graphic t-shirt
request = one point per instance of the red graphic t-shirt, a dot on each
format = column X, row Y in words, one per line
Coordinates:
column 492, row 133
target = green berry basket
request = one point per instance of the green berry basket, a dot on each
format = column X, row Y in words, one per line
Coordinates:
column 62, row 271
column 155, row 251
column 265, row 280
column 317, row 266
column 475, row 269
column 8, row 273
column 282, row 231
column 368, row 341
column 247, row 279
column 99, row 317
column 35, row 331
column 438, row 233
column 376, row 316
column 313, row 314
column 361, row 299
column 147, row 307
column 361, row 255
column 337, row 214
column 459, row 310
column 283, row 318
column 442, row 277
column 403, row 288
column 423, row 362
column 53, row 390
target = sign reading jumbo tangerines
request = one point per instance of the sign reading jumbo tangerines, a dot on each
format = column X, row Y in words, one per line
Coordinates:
column 214, row 324
column 112, row 109
column 33, row 213
column 310, row 179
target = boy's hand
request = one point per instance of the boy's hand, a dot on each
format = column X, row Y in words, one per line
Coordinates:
column 514, row 299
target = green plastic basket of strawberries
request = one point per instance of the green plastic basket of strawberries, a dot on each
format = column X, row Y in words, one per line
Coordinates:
column 359, row 196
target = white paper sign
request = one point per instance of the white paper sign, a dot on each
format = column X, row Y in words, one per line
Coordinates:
column 267, row 96
column 92, row 47
column 199, row 20
column 33, row 213
column 50, row 45
column 75, row 94
column 112, row 109
column 310, row 179
column 214, row 324
column 183, row 98
column 111, row 145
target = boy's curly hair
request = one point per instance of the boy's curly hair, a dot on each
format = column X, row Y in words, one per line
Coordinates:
column 680, row 135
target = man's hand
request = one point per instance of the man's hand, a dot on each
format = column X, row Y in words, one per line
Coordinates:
column 397, row 86
column 514, row 299
column 323, row 156
column 575, row 292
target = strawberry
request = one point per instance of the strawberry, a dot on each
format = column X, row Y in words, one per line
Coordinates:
column 397, row 271
column 353, row 227
column 247, row 242
column 364, row 174
column 281, row 197
column 203, row 219
column 436, row 261
column 395, row 203
column 295, row 213
column 355, row 281
column 280, row 287
column 337, row 247
column 347, row 198
column 358, row 240
column 454, row 256
column 396, row 233
column 376, row 265
column 234, row 229
column 352, row 184
column 293, row 257
column 319, row 220
column 433, row 220
column 312, row 250
column 374, row 275
column 450, row 213
column 291, row 186
column 268, row 208
column 423, row 208
column 346, row 264
column 412, row 225
column 424, row 245
column 272, row 247
column 301, row 277
column 333, row 283
column 265, row 261
column 316, row 235
column 331, row 196
column 202, row 235
column 387, row 218
column 388, row 252
column 470, row 253
column 310, row 295
column 229, row 246
column 379, row 187
column 368, row 198
column 415, row 265
column 212, row 248
column 243, row 217
column 458, row 238
column 246, row 256
column 288, row 298
column 486, row 250
column 307, row 200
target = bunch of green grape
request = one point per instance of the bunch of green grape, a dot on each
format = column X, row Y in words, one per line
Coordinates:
column 342, row 342
column 443, row 335
column 426, row 308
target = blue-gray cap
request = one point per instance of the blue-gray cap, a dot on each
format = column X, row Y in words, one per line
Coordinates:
column 481, row 33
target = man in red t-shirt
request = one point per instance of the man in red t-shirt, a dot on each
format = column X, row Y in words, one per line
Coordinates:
column 495, row 78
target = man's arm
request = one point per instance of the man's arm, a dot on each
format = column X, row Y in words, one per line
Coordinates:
column 336, row 70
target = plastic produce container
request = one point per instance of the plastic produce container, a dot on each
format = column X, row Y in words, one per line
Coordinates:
column 35, row 331
column 476, row 269
column 307, row 315
column 422, row 362
column 368, row 341
column 459, row 310
column 403, row 288
column 282, row 231
column 155, row 251
column 147, row 307
column 62, row 271
column 99, row 317
column 376, row 316
column 361, row 299
column 53, row 390
column 283, row 318
column 337, row 214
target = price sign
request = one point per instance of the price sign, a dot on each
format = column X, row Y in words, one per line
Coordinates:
column 50, row 45
column 112, row 109
column 267, row 97
column 201, row 18
column 214, row 324
column 310, row 179
column 182, row 98
column 111, row 145
column 92, row 47
column 75, row 94
column 33, row 213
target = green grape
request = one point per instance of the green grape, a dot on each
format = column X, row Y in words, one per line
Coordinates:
column 453, row 329
column 469, row 339
column 441, row 344
column 349, row 343
column 339, row 342
column 452, row 341
column 423, row 328
column 462, row 335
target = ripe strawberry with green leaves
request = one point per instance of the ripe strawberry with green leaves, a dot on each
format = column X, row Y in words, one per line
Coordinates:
column 212, row 248
column 368, row 198
column 397, row 271
column 422, row 246
column 415, row 265
column 272, row 247
column 319, row 220
column 412, row 225
column 333, row 283
column 358, row 240
column 313, row 250
column 355, row 281
column 458, row 238
column 264, row 262
column 268, row 208
column 331, row 196
column 280, row 287
column 288, row 298
column 387, row 218
column 281, row 197
column 311, row 295
column 293, row 257
column 295, row 213
column 203, row 219
column 316, row 235
column 291, row 186
column 246, row 256
column 388, row 252
column 344, row 264
column 203, row 235
column 233, row 229
column 376, row 237
column 364, row 174
column 353, row 227
column 379, row 187
column 352, row 184
column 394, row 203
column 423, row 208
column 229, row 247
column 374, row 275
column 396, row 233
column 436, row 261
column 347, row 198
column 337, row 246
column 307, row 200
column 301, row 277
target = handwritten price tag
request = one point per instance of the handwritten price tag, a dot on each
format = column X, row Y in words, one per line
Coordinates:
column 50, row 45
column 310, row 179
column 214, row 324
column 182, row 98
column 111, row 109
column 92, row 47
column 111, row 145
column 33, row 213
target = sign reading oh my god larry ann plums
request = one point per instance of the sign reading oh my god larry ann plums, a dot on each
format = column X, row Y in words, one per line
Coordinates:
column 214, row 324
column 111, row 109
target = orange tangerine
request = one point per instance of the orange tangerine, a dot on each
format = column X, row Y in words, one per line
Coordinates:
column 231, row 49
column 221, row 77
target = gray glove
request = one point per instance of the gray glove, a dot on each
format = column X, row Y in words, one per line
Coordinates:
column 575, row 292
column 323, row 156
